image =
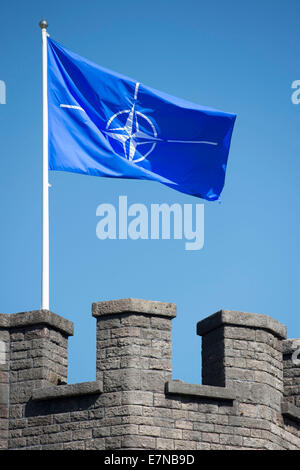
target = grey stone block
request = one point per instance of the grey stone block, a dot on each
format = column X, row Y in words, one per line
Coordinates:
column 72, row 390
column 149, row 307
column 289, row 346
column 241, row 319
column 290, row 411
column 175, row 387
column 3, row 394
column 35, row 317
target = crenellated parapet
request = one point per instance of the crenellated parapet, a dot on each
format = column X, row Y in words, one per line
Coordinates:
column 248, row 399
column 243, row 351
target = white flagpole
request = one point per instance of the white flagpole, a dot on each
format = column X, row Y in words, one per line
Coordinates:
column 45, row 194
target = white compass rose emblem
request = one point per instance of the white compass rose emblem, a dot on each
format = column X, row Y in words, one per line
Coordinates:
column 126, row 137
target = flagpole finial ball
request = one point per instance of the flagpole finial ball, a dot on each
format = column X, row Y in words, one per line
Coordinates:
column 43, row 24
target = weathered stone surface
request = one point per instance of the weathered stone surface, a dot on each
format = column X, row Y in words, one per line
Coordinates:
column 63, row 391
column 291, row 411
column 290, row 345
column 36, row 317
column 176, row 387
column 3, row 394
column 243, row 319
column 150, row 307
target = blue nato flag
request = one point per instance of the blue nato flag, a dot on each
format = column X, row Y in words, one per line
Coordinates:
column 102, row 123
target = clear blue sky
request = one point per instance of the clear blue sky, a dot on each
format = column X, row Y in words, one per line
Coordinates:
column 235, row 56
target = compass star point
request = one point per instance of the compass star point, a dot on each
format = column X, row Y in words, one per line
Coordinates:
column 130, row 135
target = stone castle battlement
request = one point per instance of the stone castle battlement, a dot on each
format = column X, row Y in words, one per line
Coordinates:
column 249, row 397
